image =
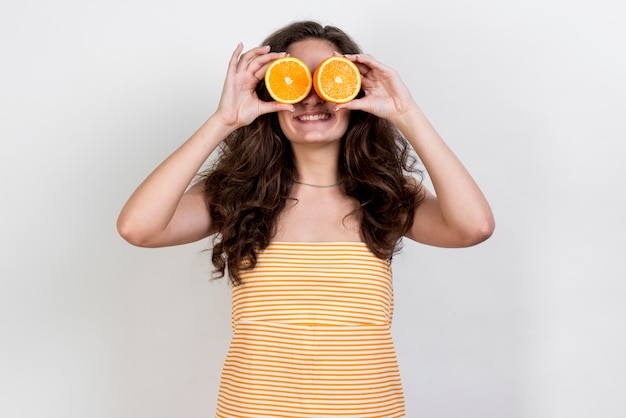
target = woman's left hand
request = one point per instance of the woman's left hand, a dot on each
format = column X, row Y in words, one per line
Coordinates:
column 386, row 95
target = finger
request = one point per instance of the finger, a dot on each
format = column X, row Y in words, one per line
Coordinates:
column 250, row 56
column 259, row 74
column 234, row 58
column 270, row 107
column 351, row 105
column 367, row 63
column 364, row 104
column 367, row 83
column 255, row 53
column 362, row 58
column 260, row 63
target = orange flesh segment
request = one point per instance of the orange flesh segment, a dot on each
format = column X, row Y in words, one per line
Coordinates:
column 337, row 79
column 288, row 80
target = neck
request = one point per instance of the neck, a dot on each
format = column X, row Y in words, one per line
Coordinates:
column 319, row 186
column 317, row 167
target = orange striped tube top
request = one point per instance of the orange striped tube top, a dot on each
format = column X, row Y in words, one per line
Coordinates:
column 312, row 336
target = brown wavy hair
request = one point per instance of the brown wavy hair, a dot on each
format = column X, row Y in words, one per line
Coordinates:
column 250, row 182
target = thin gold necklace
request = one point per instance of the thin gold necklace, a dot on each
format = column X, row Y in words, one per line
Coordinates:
column 319, row 186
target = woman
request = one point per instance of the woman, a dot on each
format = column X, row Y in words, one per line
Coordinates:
column 307, row 204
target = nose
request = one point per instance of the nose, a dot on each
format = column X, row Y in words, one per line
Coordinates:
column 312, row 99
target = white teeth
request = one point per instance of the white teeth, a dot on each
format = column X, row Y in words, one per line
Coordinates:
column 314, row 117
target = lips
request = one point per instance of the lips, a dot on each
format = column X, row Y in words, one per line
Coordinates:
column 313, row 117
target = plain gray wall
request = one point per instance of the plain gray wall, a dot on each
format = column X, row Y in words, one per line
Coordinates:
column 530, row 95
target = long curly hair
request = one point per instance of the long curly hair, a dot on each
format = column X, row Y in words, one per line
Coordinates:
column 250, row 181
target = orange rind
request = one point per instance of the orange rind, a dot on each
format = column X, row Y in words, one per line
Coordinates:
column 337, row 79
column 288, row 80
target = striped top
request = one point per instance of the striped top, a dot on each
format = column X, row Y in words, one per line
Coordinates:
column 312, row 336
column 316, row 284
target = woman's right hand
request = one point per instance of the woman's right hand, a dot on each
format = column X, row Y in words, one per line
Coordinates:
column 239, row 104
column 161, row 211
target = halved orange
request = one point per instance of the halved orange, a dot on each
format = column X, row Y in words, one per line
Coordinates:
column 337, row 79
column 288, row 80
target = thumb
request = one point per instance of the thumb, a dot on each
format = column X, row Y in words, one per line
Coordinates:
column 269, row 107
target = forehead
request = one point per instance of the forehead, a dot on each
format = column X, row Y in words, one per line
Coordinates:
column 312, row 51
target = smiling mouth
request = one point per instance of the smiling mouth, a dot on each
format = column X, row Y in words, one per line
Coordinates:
column 319, row 116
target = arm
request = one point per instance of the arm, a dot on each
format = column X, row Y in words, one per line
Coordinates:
column 457, row 214
column 163, row 210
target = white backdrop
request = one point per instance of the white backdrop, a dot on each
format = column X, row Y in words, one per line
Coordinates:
column 531, row 96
